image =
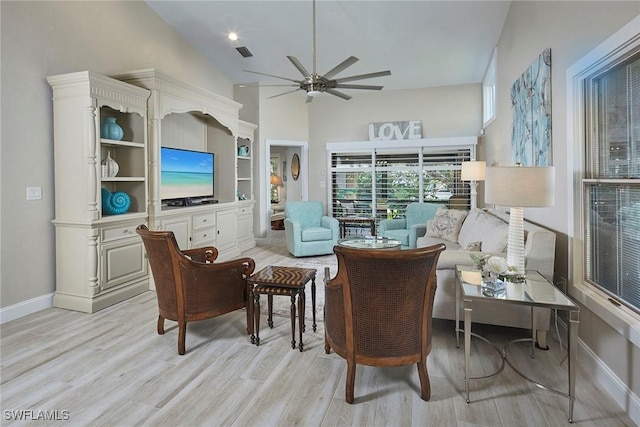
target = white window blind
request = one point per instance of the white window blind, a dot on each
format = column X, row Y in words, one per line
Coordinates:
column 611, row 190
column 381, row 182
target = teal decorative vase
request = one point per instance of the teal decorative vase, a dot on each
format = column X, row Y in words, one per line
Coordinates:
column 243, row 150
column 111, row 130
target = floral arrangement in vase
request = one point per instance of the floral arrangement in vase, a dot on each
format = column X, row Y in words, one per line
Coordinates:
column 497, row 268
column 496, row 265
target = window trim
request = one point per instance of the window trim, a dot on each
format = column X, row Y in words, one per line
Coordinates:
column 621, row 318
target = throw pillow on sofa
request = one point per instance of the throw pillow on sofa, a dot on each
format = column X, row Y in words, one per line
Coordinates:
column 446, row 224
column 482, row 226
column 473, row 247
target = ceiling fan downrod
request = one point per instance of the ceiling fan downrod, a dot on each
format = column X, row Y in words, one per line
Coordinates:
column 313, row 49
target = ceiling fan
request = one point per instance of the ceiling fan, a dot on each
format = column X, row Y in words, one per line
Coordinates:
column 314, row 84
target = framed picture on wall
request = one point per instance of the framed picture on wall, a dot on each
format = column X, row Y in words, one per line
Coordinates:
column 531, row 114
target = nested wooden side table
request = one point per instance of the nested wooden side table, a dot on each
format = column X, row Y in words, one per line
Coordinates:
column 287, row 281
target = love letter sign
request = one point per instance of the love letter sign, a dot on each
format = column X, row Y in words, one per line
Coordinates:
column 387, row 131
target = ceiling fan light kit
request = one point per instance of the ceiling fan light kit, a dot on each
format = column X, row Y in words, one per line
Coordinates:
column 315, row 84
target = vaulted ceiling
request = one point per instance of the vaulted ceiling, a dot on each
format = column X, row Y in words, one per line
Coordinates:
column 423, row 43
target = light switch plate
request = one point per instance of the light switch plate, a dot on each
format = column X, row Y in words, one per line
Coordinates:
column 34, row 193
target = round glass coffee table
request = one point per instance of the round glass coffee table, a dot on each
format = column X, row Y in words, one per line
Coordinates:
column 368, row 242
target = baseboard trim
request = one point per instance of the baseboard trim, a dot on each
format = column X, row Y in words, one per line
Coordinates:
column 262, row 241
column 24, row 308
column 628, row 401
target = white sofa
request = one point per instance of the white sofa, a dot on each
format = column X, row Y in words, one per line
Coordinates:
column 490, row 227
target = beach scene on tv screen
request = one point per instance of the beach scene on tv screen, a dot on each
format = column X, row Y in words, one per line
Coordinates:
column 185, row 174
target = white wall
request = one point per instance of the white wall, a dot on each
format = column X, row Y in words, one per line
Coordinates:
column 444, row 111
column 571, row 30
column 284, row 118
column 47, row 38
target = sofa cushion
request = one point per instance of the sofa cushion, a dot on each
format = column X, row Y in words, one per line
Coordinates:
column 425, row 241
column 446, row 224
column 314, row 234
column 483, row 227
column 449, row 259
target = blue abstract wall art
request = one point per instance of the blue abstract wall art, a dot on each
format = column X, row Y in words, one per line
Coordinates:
column 531, row 111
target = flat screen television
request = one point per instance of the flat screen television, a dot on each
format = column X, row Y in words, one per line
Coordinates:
column 186, row 176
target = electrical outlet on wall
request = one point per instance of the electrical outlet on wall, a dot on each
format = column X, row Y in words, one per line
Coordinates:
column 34, row 193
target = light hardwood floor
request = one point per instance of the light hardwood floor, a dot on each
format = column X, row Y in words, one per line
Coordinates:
column 112, row 369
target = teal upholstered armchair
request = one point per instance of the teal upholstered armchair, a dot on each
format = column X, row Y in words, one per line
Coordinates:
column 408, row 229
column 308, row 230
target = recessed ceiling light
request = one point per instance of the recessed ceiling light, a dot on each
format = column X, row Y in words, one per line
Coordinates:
column 233, row 36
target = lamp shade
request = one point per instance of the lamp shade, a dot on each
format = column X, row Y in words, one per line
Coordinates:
column 520, row 186
column 473, row 171
column 276, row 180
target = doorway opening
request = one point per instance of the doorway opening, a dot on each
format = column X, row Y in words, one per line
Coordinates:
column 286, row 166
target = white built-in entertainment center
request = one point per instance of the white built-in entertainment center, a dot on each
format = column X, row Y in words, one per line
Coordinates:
column 100, row 260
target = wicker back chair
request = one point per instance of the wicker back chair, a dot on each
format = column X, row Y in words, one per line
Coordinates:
column 378, row 309
column 190, row 286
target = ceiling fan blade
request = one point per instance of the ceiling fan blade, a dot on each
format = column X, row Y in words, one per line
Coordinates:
column 296, row 85
column 338, row 94
column 348, row 86
column 284, row 93
column 299, row 66
column 340, row 67
column 364, row 76
column 271, row 75
column 258, row 84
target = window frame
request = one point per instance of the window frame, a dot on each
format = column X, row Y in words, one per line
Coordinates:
column 621, row 318
column 375, row 148
column 489, row 90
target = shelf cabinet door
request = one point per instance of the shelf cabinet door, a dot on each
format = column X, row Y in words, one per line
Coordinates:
column 123, row 262
column 245, row 224
column 226, row 223
column 181, row 228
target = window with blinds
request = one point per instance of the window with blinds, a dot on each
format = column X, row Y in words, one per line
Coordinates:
column 381, row 182
column 611, row 190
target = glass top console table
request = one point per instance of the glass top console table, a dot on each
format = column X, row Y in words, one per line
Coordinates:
column 536, row 291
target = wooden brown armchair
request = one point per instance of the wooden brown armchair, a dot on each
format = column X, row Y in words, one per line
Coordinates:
column 190, row 286
column 378, row 309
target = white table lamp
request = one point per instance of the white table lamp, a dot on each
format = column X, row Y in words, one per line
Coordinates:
column 473, row 172
column 519, row 187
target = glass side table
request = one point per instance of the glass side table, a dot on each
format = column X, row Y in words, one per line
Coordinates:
column 536, row 291
column 370, row 243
